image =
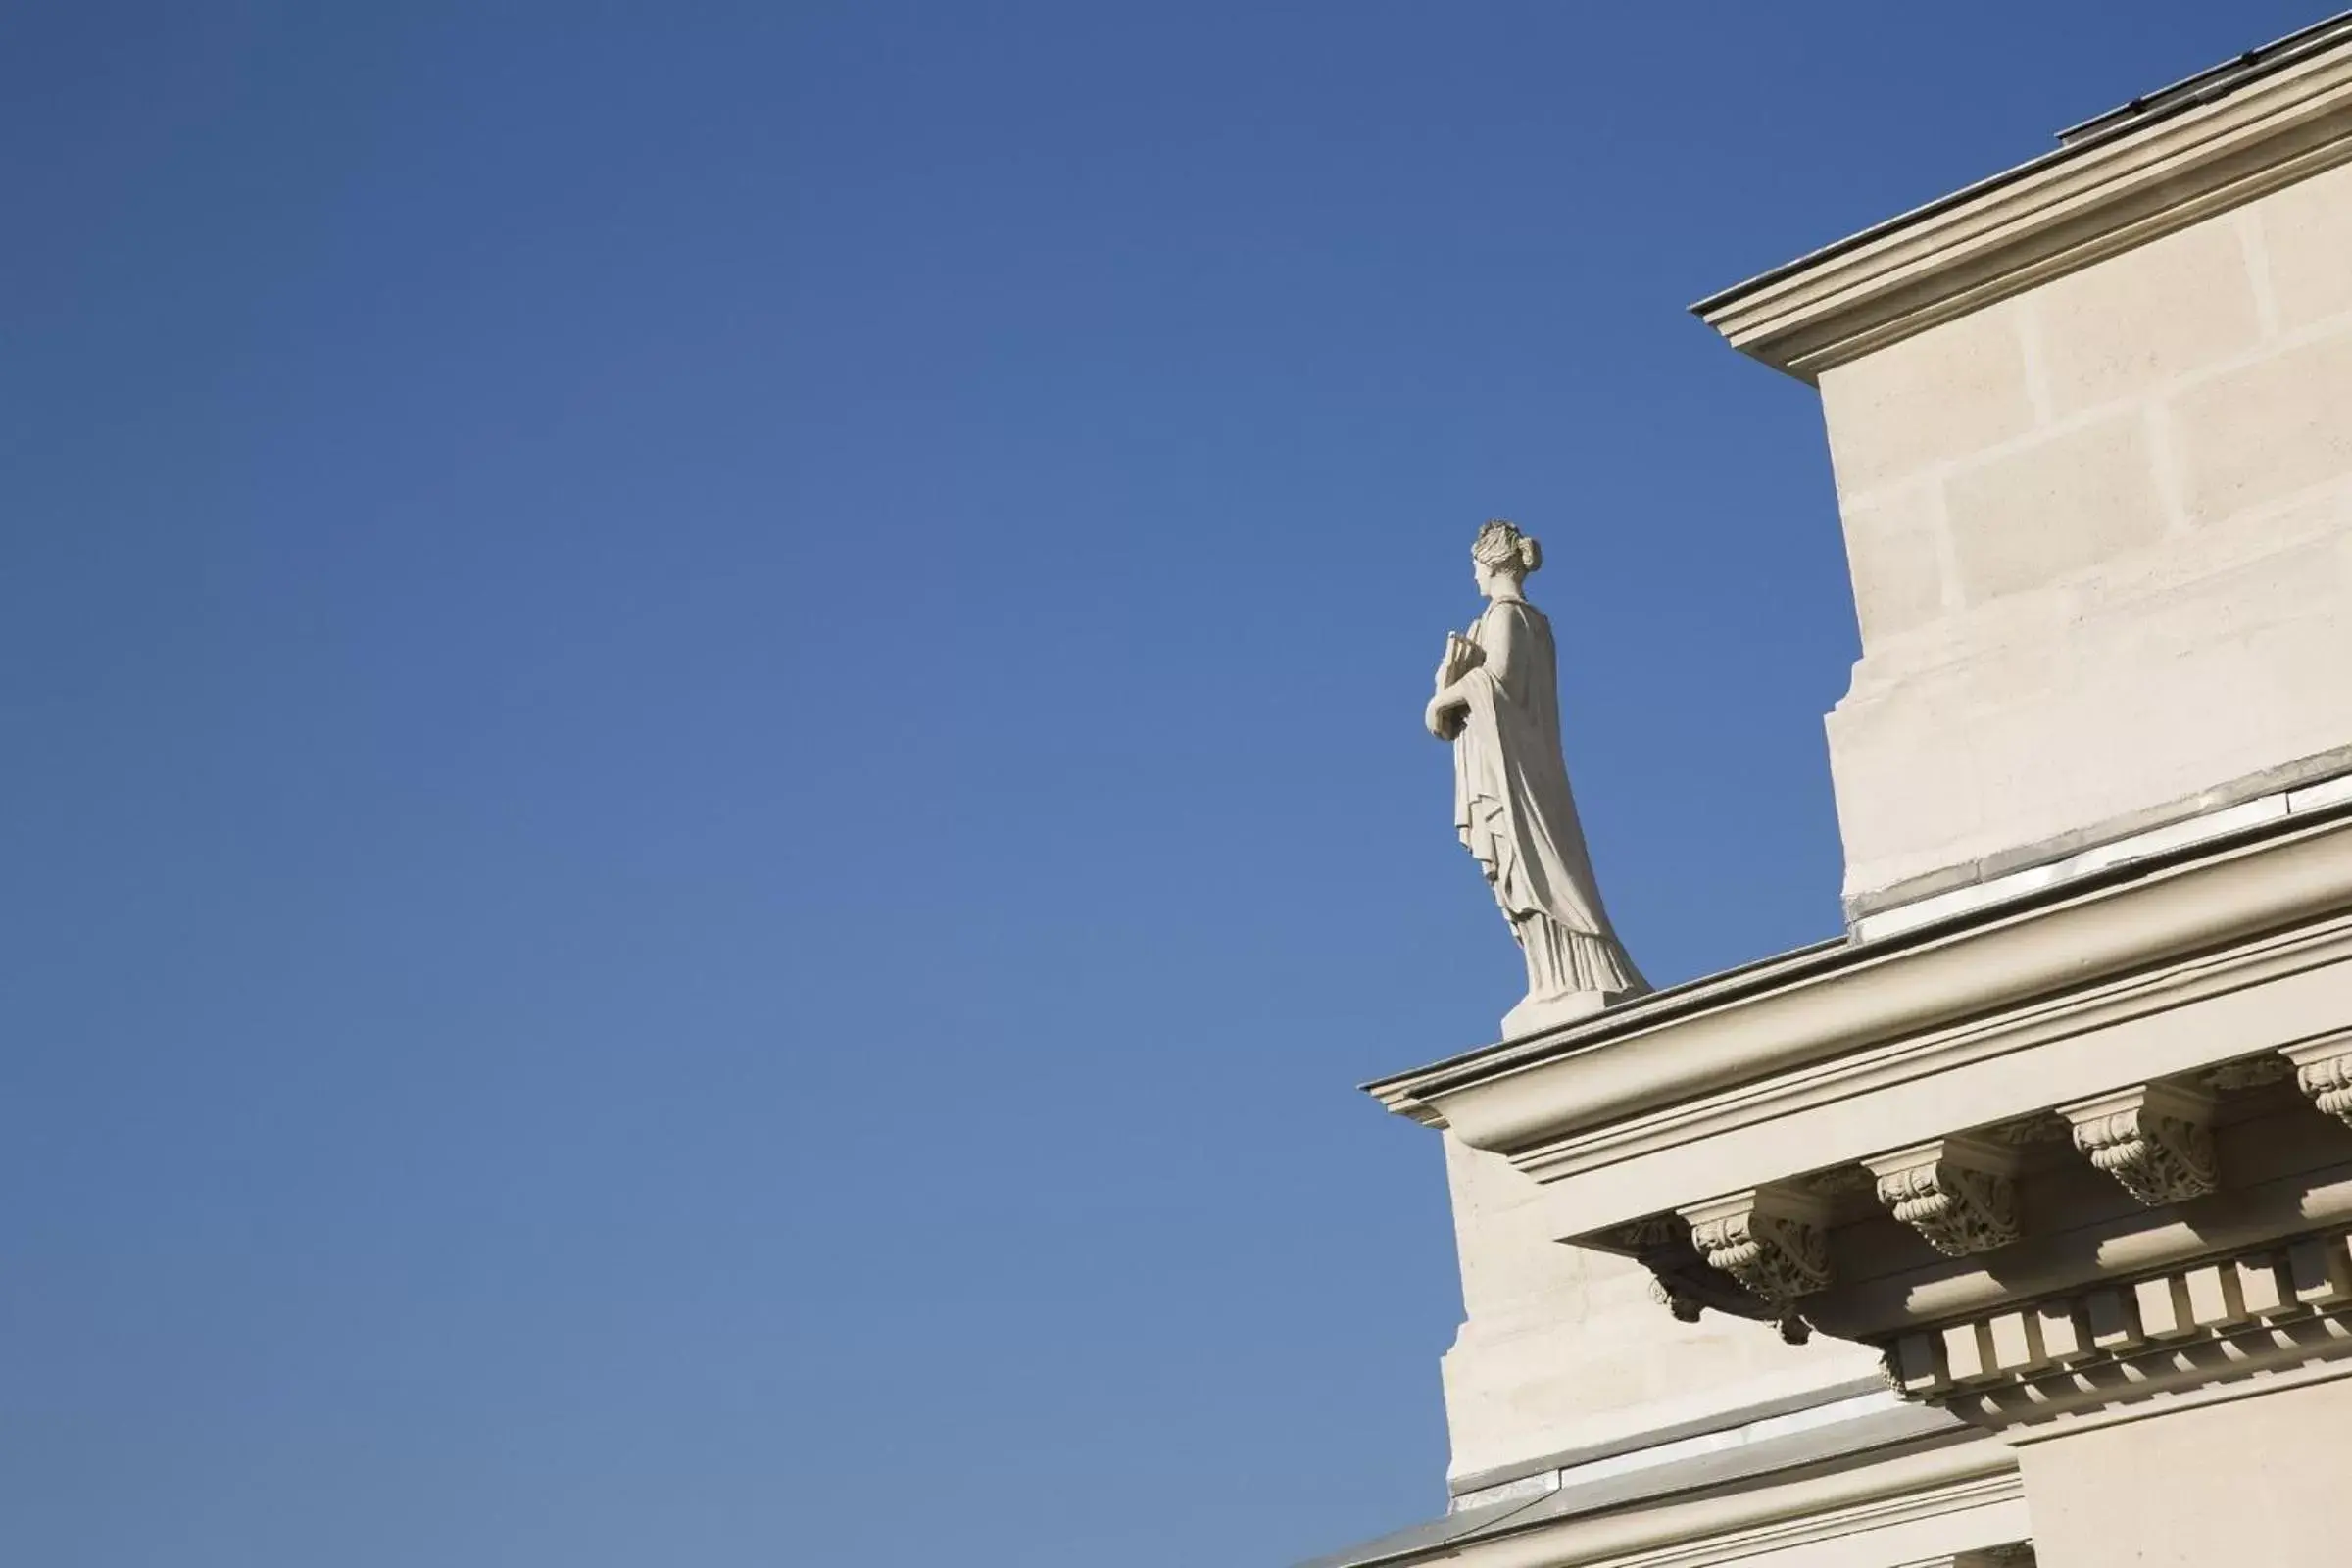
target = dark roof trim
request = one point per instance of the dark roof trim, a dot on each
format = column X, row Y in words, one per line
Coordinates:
column 2191, row 92
column 2211, row 83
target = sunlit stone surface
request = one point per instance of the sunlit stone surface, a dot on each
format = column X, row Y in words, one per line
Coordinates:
column 2015, row 1225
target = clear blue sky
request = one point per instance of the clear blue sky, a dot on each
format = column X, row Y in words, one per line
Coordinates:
column 714, row 710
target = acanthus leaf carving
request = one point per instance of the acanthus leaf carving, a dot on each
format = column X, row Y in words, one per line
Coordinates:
column 1771, row 1241
column 2323, row 1072
column 2042, row 1127
column 2155, row 1139
column 2247, row 1072
column 1675, row 1297
column 1958, row 1193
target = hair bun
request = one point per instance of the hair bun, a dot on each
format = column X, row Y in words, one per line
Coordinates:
column 1502, row 547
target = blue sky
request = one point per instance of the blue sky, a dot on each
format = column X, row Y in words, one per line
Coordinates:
column 717, row 760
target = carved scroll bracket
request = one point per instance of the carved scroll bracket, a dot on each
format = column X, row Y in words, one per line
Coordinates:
column 1959, row 1193
column 2323, row 1072
column 1772, row 1240
column 2156, row 1138
column 1681, row 1280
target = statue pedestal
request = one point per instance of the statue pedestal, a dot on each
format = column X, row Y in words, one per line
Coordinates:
column 1535, row 1015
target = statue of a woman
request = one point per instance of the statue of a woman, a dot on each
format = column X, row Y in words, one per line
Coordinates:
column 1497, row 700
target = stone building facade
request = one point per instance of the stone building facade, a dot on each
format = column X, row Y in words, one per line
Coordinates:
column 2011, row 1226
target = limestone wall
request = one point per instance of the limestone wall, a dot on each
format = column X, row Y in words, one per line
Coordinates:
column 1562, row 1347
column 2247, row 1481
column 2101, row 543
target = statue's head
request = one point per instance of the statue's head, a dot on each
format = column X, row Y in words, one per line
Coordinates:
column 1502, row 551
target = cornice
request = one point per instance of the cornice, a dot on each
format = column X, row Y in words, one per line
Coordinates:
column 2052, row 216
column 1862, row 1003
column 1402, row 1092
column 2157, row 989
column 2256, row 1214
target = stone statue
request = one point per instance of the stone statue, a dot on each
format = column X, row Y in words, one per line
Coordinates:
column 1497, row 700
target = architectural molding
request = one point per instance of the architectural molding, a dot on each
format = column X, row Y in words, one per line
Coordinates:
column 1960, row 1194
column 2249, row 1072
column 1815, row 1407
column 1681, row 1281
column 2044, row 219
column 2042, row 1127
column 1959, row 1479
column 2025, row 1138
column 2322, row 1070
column 1826, row 1025
column 1774, row 1241
column 2268, row 1308
column 2305, row 786
column 2130, row 1241
column 2154, row 1139
column 1953, row 1048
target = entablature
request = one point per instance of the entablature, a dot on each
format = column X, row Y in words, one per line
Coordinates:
column 2138, row 1077
column 2167, row 968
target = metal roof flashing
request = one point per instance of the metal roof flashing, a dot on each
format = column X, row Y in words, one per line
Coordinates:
column 2210, row 84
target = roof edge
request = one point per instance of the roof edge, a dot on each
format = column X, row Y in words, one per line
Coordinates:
column 2210, row 143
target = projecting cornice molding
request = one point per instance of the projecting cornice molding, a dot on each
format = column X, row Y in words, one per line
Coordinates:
column 1889, row 1137
column 2271, row 1309
column 2044, row 219
column 1830, row 1024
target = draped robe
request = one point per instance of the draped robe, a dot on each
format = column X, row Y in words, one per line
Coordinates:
column 1513, row 810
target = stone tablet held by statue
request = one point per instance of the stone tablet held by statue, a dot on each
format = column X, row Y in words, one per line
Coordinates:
column 1498, row 701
